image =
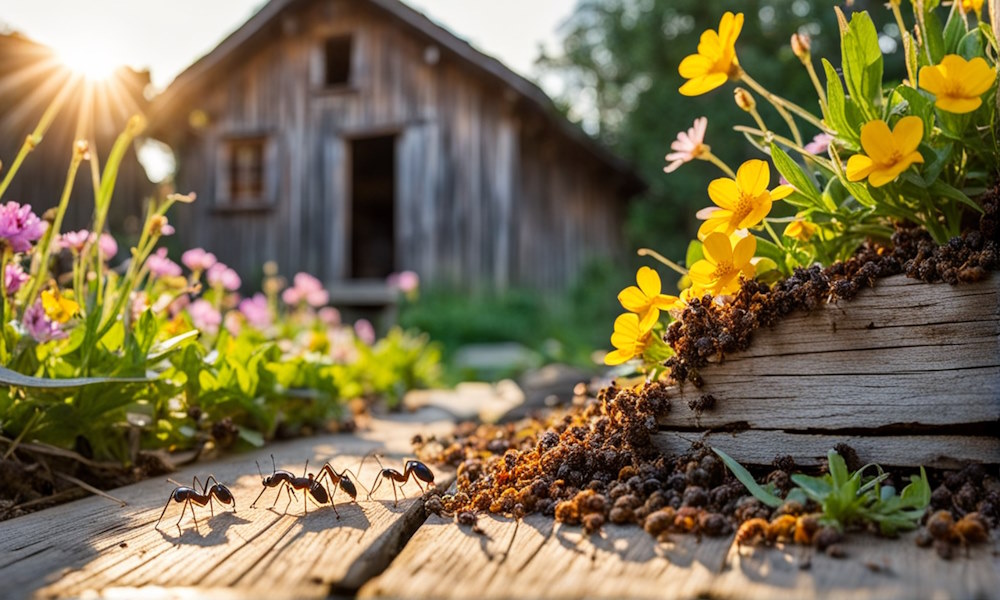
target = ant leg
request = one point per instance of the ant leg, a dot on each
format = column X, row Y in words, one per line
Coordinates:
column 195, row 483
column 375, row 485
column 254, row 505
column 288, row 488
column 183, row 510
column 211, row 507
column 395, row 498
column 169, row 500
column 333, row 502
column 422, row 490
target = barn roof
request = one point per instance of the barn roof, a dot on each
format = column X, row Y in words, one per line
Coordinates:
column 185, row 85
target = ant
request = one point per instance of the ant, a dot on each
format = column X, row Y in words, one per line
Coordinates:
column 340, row 480
column 419, row 470
column 190, row 496
column 290, row 482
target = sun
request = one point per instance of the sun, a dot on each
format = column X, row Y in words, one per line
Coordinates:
column 88, row 57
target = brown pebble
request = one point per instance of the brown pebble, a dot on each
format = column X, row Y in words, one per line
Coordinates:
column 836, row 551
column 123, row 545
column 827, row 537
column 923, row 539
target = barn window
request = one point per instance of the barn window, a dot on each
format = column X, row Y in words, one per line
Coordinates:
column 245, row 172
column 337, row 56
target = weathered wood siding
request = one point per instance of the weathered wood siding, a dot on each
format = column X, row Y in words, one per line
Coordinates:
column 908, row 372
column 487, row 195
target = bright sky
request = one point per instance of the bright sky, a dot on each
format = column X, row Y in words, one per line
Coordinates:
column 168, row 35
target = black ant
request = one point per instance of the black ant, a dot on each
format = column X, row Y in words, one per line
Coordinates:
column 419, row 470
column 191, row 496
column 340, row 480
column 290, row 482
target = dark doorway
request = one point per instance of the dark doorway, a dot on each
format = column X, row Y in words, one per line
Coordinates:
column 373, row 207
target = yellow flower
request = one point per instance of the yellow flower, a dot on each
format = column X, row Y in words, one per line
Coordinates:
column 646, row 299
column 719, row 271
column 629, row 339
column 889, row 153
column 715, row 62
column 801, row 230
column 57, row 308
column 742, row 202
column 973, row 6
column 958, row 83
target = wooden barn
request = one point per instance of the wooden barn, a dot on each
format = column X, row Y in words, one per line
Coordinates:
column 356, row 138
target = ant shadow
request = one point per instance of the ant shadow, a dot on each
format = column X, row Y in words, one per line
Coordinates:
column 348, row 515
column 190, row 533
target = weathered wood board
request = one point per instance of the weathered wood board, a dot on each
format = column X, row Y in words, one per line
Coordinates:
column 903, row 358
column 537, row 558
column 809, row 449
column 95, row 547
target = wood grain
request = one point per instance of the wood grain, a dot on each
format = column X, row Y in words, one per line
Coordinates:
column 536, row 558
column 901, row 354
column 91, row 546
column 760, row 447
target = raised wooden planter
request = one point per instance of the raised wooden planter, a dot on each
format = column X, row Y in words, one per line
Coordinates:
column 907, row 373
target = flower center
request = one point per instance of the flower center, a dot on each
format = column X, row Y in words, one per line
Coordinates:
column 743, row 207
column 722, row 270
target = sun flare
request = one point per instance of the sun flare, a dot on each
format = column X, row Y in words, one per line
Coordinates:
column 88, row 57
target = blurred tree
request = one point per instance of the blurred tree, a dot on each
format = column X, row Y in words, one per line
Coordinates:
column 618, row 67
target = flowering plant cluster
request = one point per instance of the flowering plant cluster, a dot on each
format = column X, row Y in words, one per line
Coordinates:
column 920, row 152
column 115, row 350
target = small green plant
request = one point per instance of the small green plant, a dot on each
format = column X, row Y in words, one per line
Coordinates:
column 848, row 499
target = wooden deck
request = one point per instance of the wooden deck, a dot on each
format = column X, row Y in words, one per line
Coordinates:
column 95, row 549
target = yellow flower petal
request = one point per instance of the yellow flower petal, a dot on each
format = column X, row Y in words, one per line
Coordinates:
column 876, row 139
column 704, row 84
column 724, row 192
column 932, row 80
column 649, row 320
column 617, row 357
column 958, row 106
column 701, row 272
column 717, row 248
column 859, row 166
column 744, row 250
column 781, row 192
column 694, row 65
column 907, row 134
column 649, row 281
column 757, row 213
column 752, row 177
column 633, row 299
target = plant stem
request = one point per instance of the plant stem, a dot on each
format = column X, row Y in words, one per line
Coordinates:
column 656, row 255
column 775, row 103
column 35, row 137
column 39, row 275
column 826, row 164
column 816, row 84
column 715, row 160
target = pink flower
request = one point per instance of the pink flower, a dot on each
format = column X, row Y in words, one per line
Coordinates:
column 308, row 288
column 233, row 323
column 197, row 259
column 406, row 282
column 257, row 311
column 365, row 331
column 688, row 146
column 19, row 226
column 329, row 316
column 139, row 303
column 219, row 275
column 204, row 316
column 161, row 266
column 108, row 246
column 39, row 326
column 75, row 240
column 819, row 144
column 13, row 278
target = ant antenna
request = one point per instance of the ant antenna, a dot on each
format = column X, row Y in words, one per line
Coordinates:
column 259, row 472
column 305, row 469
column 274, row 467
column 178, row 484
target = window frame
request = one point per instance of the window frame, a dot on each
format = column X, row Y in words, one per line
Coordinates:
column 269, row 171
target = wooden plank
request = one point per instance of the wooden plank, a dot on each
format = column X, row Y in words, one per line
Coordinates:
column 536, row 558
column 905, row 352
column 85, row 547
column 760, row 447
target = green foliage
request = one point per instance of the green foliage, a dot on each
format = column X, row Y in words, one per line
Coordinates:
column 850, row 499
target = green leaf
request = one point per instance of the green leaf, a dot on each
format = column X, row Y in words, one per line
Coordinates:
column 11, row 378
column 915, row 103
column 747, row 480
column 933, row 38
column 816, row 488
column 836, row 106
column 254, row 438
column 954, row 29
column 838, row 468
column 862, row 64
column 695, row 252
column 943, row 189
column 971, row 45
column 791, row 170
column 161, row 349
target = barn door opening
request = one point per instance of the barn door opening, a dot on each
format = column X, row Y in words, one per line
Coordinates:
column 373, row 207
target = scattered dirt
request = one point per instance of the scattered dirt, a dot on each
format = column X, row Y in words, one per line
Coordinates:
column 594, row 462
